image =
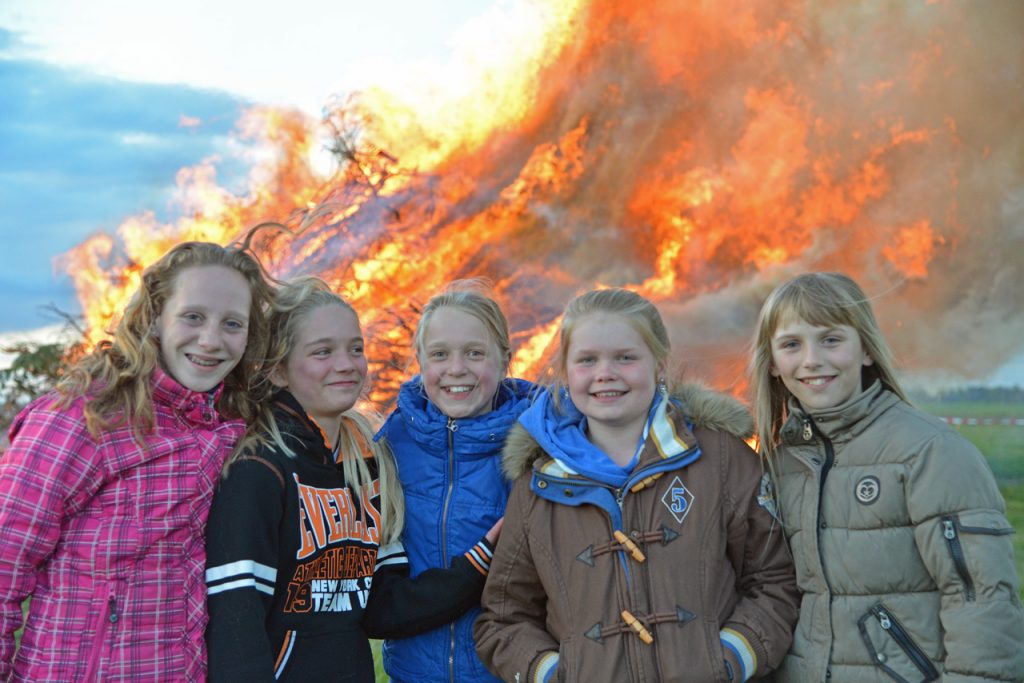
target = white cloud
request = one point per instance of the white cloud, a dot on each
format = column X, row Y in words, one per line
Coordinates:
column 43, row 335
column 296, row 54
column 142, row 139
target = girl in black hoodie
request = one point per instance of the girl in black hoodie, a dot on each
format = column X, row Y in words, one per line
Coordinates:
column 304, row 559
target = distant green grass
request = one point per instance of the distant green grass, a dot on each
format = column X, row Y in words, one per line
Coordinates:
column 378, row 661
column 972, row 409
column 1003, row 448
column 1002, row 445
column 1014, row 495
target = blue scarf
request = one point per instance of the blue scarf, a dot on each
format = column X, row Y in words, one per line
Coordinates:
column 562, row 433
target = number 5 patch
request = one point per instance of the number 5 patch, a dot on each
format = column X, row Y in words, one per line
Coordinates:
column 678, row 500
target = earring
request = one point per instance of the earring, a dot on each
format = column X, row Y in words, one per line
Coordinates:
column 662, row 387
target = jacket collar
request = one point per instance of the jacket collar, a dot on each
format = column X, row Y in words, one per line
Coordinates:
column 427, row 425
column 197, row 407
column 701, row 408
column 554, row 482
column 299, row 431
column 843, row 422
column 561, row 433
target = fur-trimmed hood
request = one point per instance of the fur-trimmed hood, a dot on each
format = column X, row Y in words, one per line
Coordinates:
column 703, row 407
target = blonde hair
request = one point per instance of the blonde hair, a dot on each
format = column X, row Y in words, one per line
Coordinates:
column 820, row 299
column 116, row 376
column 468, row 296
column 296, row 299
column 642, row 315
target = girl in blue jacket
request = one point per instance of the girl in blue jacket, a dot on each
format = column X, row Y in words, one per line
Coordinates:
column 447, row 432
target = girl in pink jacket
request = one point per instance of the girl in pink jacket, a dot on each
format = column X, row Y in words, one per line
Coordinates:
column 106, row 486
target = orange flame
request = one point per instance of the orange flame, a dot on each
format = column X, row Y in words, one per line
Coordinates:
column 695, row 152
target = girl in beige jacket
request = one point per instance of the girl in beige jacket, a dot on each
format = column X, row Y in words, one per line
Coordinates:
column 898, row 531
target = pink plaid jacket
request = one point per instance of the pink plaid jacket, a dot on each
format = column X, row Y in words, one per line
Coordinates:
column 107, row 538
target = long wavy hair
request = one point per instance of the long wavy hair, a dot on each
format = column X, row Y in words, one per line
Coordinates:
column 296, row 300
column 821, row 299
column 116, row 377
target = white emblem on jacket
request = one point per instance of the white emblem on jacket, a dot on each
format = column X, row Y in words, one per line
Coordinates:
column 678, row 500
column 867, row 490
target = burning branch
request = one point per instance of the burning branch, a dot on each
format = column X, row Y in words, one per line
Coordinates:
column 371, row 165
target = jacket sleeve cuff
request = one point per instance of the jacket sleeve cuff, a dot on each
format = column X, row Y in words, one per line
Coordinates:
column 547, row 666
column 738, row 649
column 480, row 556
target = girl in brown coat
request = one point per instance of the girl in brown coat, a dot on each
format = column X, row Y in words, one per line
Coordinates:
column 638, row 542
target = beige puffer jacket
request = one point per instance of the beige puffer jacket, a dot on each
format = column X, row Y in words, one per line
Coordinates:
column 902, row 549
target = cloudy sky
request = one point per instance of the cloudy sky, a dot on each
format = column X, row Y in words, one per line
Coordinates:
column 104, row 101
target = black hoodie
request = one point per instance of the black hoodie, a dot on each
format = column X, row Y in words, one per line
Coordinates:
column 292, row 553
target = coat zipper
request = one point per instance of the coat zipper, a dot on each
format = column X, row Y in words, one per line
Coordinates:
column 896, row 631
column 633, row 645
column 985, row 531
column 956, row 550
column 951, row 531
column 452, row 428
column 830, row 459
column 107, row 622
column 208, row 413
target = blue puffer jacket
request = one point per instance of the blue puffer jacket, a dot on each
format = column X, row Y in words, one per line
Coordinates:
column 454, row 492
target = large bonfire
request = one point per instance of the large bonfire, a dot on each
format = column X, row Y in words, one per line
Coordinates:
column 697, row 152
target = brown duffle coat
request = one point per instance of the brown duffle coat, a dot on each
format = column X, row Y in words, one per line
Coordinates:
column 638, row 584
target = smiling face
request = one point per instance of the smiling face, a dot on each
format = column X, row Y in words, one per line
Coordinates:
column 204, row 326
column 819, row 365
column 326, row 368
column 611, row 373
column 461, row 363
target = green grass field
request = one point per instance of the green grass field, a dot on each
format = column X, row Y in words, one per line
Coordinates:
column 1003, row 447
column 971, row 408
column 1014, row 495
column 378, row 662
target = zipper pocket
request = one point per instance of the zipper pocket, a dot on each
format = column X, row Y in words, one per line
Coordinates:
column 956, row 551
column 984, row 530
column 107, row 622
column 891, row 626
column 952, row 530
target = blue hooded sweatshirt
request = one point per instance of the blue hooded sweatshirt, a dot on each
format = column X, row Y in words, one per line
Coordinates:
column 562, row 433
column 454, row 493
